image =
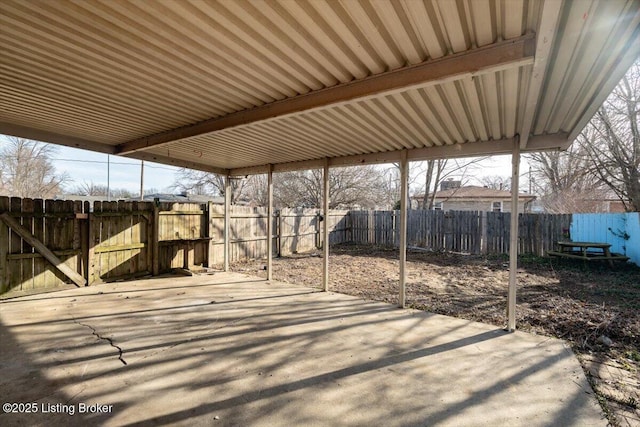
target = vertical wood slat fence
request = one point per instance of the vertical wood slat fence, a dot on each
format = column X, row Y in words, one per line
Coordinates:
column 295, row 231
column 117, row 239
column 103, row 242
column 460, row 231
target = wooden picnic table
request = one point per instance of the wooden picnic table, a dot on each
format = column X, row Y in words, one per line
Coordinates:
column 587, row 251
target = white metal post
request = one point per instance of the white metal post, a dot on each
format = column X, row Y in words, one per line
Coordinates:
column 227, row 221
column 325, row 226
column 513, row 245
column 270, row 223
column 404, row 182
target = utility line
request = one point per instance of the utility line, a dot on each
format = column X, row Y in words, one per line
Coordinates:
column 105, row 162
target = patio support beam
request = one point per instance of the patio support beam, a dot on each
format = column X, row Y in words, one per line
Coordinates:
column 404, row 183
column 270, row 222
column 513, row 245
column 172, row 161
column 508, row 53
column 325, row 226
column 556, row 141
column 227, row 221
column 54, row 138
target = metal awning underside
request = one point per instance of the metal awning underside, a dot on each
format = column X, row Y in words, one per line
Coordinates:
column 233, row 86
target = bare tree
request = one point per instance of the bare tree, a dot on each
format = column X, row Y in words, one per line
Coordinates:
column 612, row 140
column 355, row 186
column 26, row 169
column 557, row 171
column 255, row 189
column 496, row 182
column 605, row 157
column 352, row 186
column 564, row 181
column 433, row 176
column 92, row 189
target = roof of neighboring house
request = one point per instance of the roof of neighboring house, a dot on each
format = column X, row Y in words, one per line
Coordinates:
column 476, row 192
column 81, row 198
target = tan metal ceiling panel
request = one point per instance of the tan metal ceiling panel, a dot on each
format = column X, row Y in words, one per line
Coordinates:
column 589, row 45
column 114, row 72
column 416, row 118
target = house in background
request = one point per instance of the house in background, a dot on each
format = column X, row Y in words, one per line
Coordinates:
column 453, row 197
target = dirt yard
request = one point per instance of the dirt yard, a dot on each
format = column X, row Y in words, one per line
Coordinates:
column 596, row 309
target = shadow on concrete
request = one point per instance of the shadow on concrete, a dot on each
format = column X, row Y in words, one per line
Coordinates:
column 273, row 354
column 33, row 397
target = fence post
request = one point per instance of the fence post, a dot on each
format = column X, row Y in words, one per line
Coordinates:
column 209, row 234
column 155, row 240
column 318, row 237
column 279, row 232
column 85, row 241
column 483, row 233
column 4, row 246
column 91, row 278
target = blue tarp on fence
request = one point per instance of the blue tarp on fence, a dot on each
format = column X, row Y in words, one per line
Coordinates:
column 622, row 230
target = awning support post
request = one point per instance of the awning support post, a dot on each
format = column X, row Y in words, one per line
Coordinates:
column 270, row 223
column 513, row 245
column 227, row 221
column 325, row 226
column 404, row 182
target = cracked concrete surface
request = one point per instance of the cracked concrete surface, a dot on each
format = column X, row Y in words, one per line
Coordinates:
column 230, row 350
column 100, row 337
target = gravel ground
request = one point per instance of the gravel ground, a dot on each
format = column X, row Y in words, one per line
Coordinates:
column 595, row 308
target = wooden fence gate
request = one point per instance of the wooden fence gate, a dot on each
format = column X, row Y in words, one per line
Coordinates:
column 56, row 225
column 52, row 243
column 120, row 234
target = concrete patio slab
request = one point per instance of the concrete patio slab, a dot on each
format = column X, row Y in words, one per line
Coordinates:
column 231, row 350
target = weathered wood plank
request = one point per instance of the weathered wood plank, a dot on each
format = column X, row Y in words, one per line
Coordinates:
column 93, row 240
column 112, row 239
column 71, row 235
column 40, row 247
column 119, row 248
column 15, row 247
column 84, row 240
column 27, row 263
column 38, row 256
column 4, row 247
column 155, row 239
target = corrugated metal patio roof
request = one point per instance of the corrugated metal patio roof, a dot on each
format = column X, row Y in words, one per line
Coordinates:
column 231, row 87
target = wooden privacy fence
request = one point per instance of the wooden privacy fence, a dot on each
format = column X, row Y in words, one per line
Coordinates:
column 537, row 233
column 294, row 231
column 49, row 243
column 57, row 226
column 460, row 231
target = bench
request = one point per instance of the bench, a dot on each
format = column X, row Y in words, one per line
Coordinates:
column 587, row 251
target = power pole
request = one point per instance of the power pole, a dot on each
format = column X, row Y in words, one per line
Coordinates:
column 108, row 178
column 142, row 180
